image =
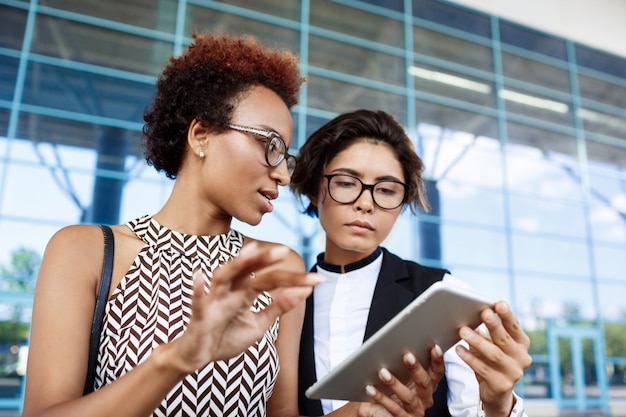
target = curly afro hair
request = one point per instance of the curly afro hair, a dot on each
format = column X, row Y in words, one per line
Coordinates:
column 204, row 83
column 340, row 133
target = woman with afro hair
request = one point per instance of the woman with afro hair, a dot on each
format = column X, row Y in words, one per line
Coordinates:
column 190, row 324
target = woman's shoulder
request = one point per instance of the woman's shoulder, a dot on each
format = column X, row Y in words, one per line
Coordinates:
column 76, row 237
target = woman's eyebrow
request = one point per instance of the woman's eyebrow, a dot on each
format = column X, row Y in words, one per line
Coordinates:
column 359, row 175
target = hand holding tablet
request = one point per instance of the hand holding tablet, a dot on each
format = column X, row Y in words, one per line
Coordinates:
column 433, row 318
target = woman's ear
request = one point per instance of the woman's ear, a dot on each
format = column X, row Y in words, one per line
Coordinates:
column 312, row 199
column 197, row 137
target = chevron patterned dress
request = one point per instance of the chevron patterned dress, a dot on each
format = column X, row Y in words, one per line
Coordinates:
column 152, row 306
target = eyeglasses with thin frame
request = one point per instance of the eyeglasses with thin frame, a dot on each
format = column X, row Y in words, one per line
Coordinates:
column 346, row 189
column 275, row 146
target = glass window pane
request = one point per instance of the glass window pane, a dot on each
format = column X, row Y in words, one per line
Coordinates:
column 447, row 83
column 73, row 41
column 357, row 61
column 460, row 158
column 45, row 188
column 339, row 97
column 533, row 215
column 613, row 305
column 544, row 254
column 600, row 61
column 151, row 14
column 535, row 72
column 12, row 25
column 360, row 24
column 455, row 120
column 472, row 246
column 603, row 123
column 463, row 203
column 146, row 191
column 4, row 125
column 288, row 9
column 542, row 163
column 537, row 107
column 396, row 5
column 492, row 284
column 610, row 261
column 532, row 40
column 202, row 19
column 43, row 130
column 543, row 297
column 607, row 179
column 83, row 92
column 450, row 15
column 603, row 91
column 452, row 49
column 8, row 74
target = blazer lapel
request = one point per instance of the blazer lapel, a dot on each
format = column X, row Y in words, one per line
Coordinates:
column 390, row 295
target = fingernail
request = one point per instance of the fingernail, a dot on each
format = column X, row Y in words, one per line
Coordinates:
column 504, row 307
column 410, row 358
column 466, row 333
column 438, row 351
column 385, row 374
column 370, row 390
column 313, row 278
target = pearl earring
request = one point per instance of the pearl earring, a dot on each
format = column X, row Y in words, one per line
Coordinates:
column 201, row 155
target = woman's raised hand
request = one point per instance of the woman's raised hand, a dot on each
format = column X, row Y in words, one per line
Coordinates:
column 497, row 358
column 222, row 324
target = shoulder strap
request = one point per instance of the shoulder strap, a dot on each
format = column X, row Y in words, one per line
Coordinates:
column 103, row 292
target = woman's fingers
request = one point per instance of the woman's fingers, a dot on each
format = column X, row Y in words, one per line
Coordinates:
column 437, row 367
column 242, row 273
column 414, row 398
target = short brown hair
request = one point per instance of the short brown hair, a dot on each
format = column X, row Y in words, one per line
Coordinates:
column 204, row 83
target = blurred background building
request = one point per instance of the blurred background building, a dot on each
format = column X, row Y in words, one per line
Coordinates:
column 518, row 109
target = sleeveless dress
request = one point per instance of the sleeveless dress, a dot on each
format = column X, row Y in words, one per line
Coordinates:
column 152, row 306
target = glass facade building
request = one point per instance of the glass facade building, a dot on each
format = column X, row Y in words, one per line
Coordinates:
column 523, row 135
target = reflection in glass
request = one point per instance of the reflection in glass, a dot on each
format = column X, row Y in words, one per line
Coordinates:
column 473, row 246
column 544, row 254
column 357, row 61
column 12, row 22
column 80, row 42
column 151, row 14
column 331, row 15
column 605, row 91
column 203, row 19
column 532, row 40
column 445, row 83
column 447, row 48
column 336, row 96
column 542, row 163
column 536, row 73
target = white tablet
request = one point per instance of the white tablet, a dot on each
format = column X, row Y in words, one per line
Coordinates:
column 434, row 317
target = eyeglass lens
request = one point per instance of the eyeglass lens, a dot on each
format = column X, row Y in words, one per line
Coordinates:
column 275, row 146
column 346, row 189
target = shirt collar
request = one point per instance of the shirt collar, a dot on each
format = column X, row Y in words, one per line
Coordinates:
column 350, row 267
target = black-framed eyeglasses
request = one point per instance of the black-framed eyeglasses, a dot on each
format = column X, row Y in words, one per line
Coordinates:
column 275, row 146
column 346, row 189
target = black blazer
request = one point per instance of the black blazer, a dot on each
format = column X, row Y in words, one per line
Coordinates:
column 399, row 283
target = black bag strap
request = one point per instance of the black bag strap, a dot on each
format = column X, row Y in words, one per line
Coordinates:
column 103, row 293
